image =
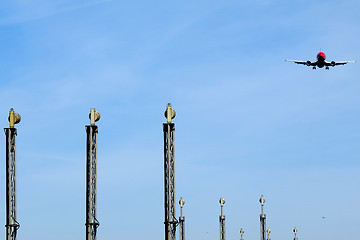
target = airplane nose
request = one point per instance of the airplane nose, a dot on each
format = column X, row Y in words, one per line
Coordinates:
column 321, row 55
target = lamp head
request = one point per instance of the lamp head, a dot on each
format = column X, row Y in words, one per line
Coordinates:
column 169, row 113
column 94, row 116
column 222, row 201
column 181, row 202
column 262, row 200
column 14, row 118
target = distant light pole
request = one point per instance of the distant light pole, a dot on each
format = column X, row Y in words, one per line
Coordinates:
column 181, row 220
column 268, row 234
column 295, row 231
column 262, row 219
column 222, row 220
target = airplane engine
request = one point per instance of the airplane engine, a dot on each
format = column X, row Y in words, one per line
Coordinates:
column 332, row 63
column 308, row 63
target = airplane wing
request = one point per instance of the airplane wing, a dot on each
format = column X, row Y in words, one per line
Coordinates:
column 308, row 63
column 333, row 63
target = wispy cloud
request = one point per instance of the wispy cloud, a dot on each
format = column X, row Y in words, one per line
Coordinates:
column 29, row 16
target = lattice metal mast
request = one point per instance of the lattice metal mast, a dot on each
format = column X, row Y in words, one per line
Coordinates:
column 262, row 219
column 222, row 220
column 91, row 161
column 12, row 225
column 181, row 220
column 169, row 175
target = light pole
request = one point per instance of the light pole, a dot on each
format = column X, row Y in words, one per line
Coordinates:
column 268, row 234
column 12, row 225
column 181, row 220
column 169, row 174
column 295, row 231
column 222, row 220
column 262, row 219
column 91, row 175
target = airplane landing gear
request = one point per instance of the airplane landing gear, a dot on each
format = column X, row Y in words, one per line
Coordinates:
column 327, row 68
column 314, row 67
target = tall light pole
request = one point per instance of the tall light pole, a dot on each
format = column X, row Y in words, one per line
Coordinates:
column 169, row 175
column 222, row 220
column 181, row 220
column 12, row 225
column 262, row 219
column 91, row 175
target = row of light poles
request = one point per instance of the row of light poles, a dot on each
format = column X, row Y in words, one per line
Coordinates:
column 12, row 225
column 171, row 222
column 262, row 223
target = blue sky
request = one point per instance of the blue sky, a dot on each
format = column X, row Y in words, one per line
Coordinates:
column 248, row 123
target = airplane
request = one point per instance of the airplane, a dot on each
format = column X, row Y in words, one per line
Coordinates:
column 321, row 62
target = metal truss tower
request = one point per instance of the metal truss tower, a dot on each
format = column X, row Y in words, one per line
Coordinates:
column 91, row 160
column 12, row 225
column 169, row 175
column 262, row 219
column 222, row 220
column 181, row 221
